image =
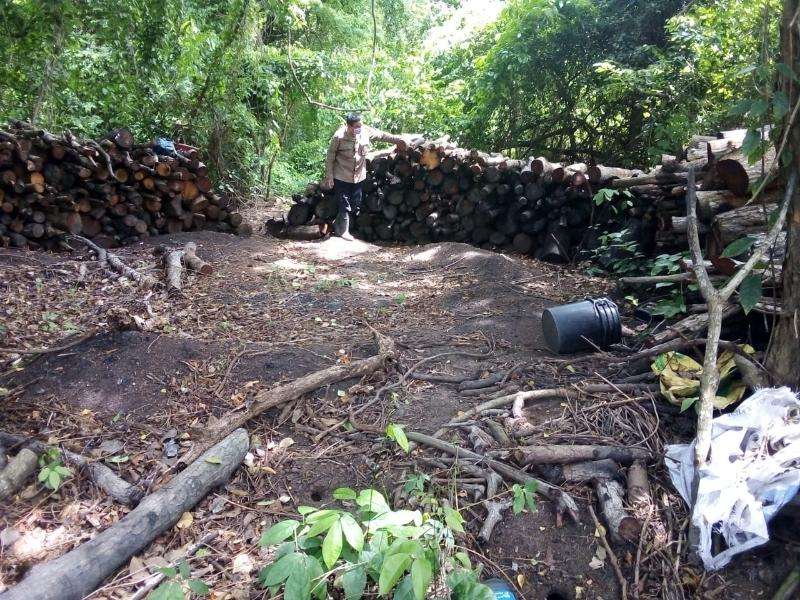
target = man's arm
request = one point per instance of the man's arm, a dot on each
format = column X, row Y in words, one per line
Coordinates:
column 330, row 159
column 377, row 134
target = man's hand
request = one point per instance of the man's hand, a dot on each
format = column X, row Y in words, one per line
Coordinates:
column 327, row 183
column 402, row 145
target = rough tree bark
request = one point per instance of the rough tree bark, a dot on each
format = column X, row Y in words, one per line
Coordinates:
column 785, row 345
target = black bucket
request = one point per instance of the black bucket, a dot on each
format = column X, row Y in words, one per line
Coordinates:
column 568, row 327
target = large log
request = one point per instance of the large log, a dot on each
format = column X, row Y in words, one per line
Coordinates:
column 736, row 224
column 79, row 572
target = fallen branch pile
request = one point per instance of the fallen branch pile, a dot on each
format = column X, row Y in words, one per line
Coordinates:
column 111, row 191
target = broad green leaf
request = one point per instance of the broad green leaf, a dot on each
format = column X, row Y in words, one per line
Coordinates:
column 322, row 525
column 393, row 568
column 412, row 547
column 279, row 571
column 345, row 493
column 421, row 576
column 183, row 569
column 738, row 247
column 395, row 517
column 54, row 480
column 352, row 532
column 278, row 532
column 354, row 582
column 463, row 558
column 780, row 105
column 306, row 510
column 43, row 475
column 519, row 499
column 198, row 587
column 372, row 501
column 786, row 71
column 298, row 585
column 453, row 519
column 167, row 571
column 405, row 590
column 332, row 546
column 320, row 515
column 317, row 576
column 169, row 590
column 396, row 433
column 687, row 403
column 759, row 107
column 750, row 292
column 751, row 146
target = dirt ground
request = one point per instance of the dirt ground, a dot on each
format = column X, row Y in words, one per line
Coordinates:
column 274, row 310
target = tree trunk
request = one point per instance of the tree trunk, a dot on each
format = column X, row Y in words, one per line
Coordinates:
column 785, row 344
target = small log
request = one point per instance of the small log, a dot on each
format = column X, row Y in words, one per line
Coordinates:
column 494, row 514
column 621, row 526
column 587, row 472
column 498, row 433
column 600, row 174
column 194, row 262
column 173, row 263
column 16, row 473
column 79, row 572
column 550, row 455
column 691, row 326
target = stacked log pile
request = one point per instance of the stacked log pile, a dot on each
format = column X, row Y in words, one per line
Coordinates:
column 436, row 191
column 111, row 191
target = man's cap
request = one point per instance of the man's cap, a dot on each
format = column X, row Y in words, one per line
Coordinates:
column 352, row 117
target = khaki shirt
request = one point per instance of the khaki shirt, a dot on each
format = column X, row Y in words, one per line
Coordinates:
column 347, row 155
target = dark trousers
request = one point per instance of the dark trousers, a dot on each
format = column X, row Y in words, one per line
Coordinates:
column 348, row 195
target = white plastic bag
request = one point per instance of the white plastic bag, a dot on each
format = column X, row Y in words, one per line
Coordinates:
column 753, row 471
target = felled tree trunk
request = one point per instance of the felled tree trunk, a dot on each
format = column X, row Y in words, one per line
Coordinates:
column 79, row 572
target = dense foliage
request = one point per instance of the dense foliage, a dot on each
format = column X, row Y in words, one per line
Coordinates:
column 618, row 80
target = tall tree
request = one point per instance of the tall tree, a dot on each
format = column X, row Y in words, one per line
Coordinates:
column 784, row 356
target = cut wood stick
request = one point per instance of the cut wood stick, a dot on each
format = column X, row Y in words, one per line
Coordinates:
column 559, row 455
column 77, row 573
column 277, row 396
column 564, row 502
column 494, row 514
column 103, row 477
column 114, row 262
column 194, row 262
column 17, row 472
column 621, row 526
column 588, row 472
column 173, row 263
column 693, row 325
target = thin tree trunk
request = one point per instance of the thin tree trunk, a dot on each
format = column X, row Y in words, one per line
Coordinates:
column 785, row 345
column 50, row 64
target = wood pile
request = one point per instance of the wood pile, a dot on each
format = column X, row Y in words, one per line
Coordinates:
column 435, row 191
column 112, row 191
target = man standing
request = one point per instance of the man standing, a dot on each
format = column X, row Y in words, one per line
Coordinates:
column 346, row 167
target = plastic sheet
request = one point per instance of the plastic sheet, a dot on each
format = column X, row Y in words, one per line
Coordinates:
column 753, row 471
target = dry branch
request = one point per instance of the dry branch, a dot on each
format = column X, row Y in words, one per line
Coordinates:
column 559, row 455
column 16, row 472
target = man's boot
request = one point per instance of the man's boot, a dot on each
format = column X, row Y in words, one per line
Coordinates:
column 346, row 227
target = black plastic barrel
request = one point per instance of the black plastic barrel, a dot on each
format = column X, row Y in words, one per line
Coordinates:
column 581, row 326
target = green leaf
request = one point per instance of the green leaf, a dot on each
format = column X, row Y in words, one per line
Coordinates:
column 354, row 582
column 687, row 403
column 344, row 493
column 750, row 292
column 323, row 525
column 787, row 71
column 213, row 460
column 759, row 107
column 421, row 576
column 278, row 533
column 741, row 108
column 44, row 474
column 519, row 499
column 306, row 510
column 352, row 532
column 183, row 569
column 167, row 571
column 169, row 590
column 298, row 585
column 280, row 570
column 372, row 501
column 738, row 247
column 198, row 587
column 317, row 576
column 396, row 433
column 54, row 480
column 751, row 146
column 332, row 545
column 463, row 558
column 404, row 591
column 393, row 568
column 63, row 471
column 319, row 515
column 453, row 519
column 780, row 105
